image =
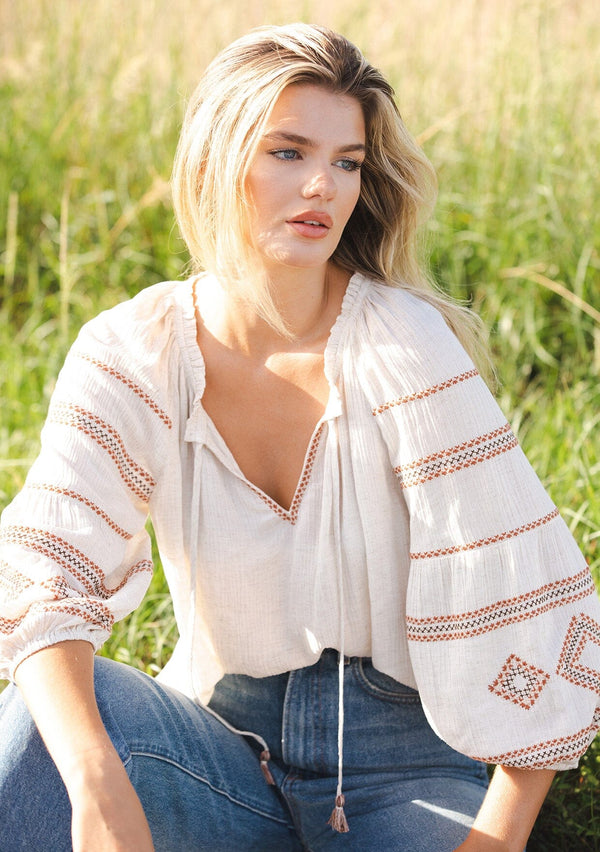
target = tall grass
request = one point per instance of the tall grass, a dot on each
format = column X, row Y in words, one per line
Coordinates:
column 505, row 98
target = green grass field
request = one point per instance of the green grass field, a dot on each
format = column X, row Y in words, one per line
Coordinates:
column 505, row 98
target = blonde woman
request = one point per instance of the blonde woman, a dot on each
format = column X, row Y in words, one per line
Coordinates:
column 374, row 594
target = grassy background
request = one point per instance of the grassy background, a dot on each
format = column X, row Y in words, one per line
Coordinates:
column 505, row 98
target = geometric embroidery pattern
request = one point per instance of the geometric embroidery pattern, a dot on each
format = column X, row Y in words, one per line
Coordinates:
column 457, row 458
column 92, row 611
column 402, row 400
column 62, row 599
column 133, row 386
column 79, row 566
column 582, row 630
column 136, row 478
column 519, row 682
column 559, row 750
column 465, row 625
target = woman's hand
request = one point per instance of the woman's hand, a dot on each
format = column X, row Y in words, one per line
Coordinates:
column 107, row 814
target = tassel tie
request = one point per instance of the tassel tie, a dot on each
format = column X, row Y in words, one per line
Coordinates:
column 265, row 757
column 338, row 820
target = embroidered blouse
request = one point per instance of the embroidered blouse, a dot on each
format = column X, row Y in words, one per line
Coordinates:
column 418, row 533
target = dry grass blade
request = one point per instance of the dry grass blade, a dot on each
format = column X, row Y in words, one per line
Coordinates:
column 556, row 287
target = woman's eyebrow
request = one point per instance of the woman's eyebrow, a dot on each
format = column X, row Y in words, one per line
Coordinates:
column 296, row 139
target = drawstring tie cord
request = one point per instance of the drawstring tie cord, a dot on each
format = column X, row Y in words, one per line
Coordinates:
column 338, row 820
column 265, row 755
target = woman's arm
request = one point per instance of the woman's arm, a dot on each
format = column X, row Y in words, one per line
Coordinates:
column 58, row 686
column 509, row 810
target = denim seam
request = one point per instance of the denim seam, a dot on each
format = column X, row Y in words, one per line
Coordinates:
column 319, row 733
column 287, row 792
column 202, row 780
column 285, row 719
column 378, row 692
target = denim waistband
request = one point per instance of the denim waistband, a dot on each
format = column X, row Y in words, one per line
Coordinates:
column 296, row 713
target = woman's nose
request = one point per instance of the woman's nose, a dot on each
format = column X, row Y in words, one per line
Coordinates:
column 320, row 184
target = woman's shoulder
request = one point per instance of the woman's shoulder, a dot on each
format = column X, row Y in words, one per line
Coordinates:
column 405, row 309
column 137, row 343
column 402, row 329
column 147, row 328
column 140, row 317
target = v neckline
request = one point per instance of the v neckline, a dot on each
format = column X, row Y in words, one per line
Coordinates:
column 229, row 459
column 197, row 368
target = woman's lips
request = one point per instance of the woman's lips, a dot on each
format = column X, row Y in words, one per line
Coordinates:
column 311, row 224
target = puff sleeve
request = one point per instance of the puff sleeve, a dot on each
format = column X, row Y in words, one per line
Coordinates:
column 502, row 616
column 75, row 554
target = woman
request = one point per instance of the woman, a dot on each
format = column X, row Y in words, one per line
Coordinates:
column 372, row 589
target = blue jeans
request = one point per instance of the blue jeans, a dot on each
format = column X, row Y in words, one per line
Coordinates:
column 202, row 787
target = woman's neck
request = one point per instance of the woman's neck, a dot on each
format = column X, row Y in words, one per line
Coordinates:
column 308, row 302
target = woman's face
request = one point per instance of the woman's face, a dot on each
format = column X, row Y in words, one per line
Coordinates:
column 304, row 180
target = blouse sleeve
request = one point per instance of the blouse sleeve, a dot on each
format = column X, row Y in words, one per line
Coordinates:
column 503, row 620
column 75, row 555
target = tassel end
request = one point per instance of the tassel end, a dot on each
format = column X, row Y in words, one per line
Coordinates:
column 265, row 757
column 338, row 820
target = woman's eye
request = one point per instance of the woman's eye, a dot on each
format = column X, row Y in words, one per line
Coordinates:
column 286, row 154
column 348, row 164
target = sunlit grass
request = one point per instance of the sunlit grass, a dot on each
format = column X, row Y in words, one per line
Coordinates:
column 505, row 98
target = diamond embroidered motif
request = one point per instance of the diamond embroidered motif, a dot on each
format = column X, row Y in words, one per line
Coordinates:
column 571, row 665
column 519, row 682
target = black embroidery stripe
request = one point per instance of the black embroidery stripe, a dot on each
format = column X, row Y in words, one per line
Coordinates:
column 83, row 569
column 441, row 628
column 91, row 611
column 457, row 458
column 549, row 753
column 135, row 477
column 582, row 629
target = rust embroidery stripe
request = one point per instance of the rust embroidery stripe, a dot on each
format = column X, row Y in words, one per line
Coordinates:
column 74, row 495
column 484, row 542
column 83, row 569
column 548, row 753
column 133, row 386
column 456, row 458
column 90, row 611
column 291, row 514
column 135, row 477
column 423, row 394
column 465, row 625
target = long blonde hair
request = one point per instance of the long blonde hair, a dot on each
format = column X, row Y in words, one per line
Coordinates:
column 222, row 127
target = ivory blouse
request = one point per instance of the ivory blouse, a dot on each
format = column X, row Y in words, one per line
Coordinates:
column 418, row 534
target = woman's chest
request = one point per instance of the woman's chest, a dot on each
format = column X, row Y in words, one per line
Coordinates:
column 268, row 415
